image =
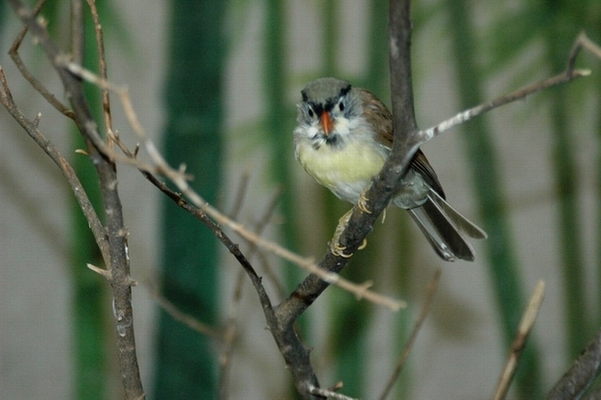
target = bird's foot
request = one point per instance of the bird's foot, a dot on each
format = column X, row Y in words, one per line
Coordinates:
column 338, row 250
column 362, row 203
column 335, row 247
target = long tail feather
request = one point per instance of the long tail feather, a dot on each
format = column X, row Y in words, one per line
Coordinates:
column 442, row 224
column 463, row 224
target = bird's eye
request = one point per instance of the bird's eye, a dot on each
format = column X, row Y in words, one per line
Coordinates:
column 341, row 105
column 311, row 113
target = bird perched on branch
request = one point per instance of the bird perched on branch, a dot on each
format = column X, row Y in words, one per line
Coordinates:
column 343, row 137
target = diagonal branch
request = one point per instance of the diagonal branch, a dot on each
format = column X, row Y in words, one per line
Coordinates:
column 581, row 374
column 118, row 267
column 37, row 85
column 519, row 342
column 31, row 127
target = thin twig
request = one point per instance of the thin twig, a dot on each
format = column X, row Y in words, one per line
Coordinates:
column 31, row 127
column 432, row 288
column 259, row 229
column 467, row 115
column 569, row 74
column 519, row 342
column 582, row 42
column 35, row 83
column 326, row 393
column 187, row 319
column 102, row 67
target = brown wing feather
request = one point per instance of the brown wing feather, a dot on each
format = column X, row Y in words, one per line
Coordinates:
column 378, row 115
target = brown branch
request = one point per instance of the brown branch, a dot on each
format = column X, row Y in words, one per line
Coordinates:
column 233, row 248
column 581, row 374
column 102, row 67
column 117, row 272
column 35, row 83
column 569, row 74
column 432, row 288
column 31, row 127
column 582, row 42
column 327, row 393
column 467, row 115
column 379, row 195
column 519, row 342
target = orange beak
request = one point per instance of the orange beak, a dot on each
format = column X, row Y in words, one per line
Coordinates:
column 326, row 123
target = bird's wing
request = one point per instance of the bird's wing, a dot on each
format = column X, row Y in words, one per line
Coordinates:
column 376, row 113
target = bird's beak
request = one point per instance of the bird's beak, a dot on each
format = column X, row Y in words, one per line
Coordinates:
column 326, row 123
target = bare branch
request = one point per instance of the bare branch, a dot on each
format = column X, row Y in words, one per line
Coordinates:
column 102, row 66
column 35, row 83
column 66, row 169
column 581, row 374
column 582, row 42
column 467, row 115
column 118, row 265
column 326, row 393
column 519, row 342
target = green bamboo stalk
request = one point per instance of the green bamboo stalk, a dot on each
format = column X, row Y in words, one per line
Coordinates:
column 3, row 13
column 598, row 186
column 186, row 365
column 567, row 178
column 90, row 292
column 486, row 177
column 598, row 180
column 280, row 119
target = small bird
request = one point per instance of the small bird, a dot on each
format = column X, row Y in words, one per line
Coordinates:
column 343, row 137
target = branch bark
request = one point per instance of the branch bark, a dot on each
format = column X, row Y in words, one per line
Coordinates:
column 280, row 319
column 118, row 272
column 581, row 374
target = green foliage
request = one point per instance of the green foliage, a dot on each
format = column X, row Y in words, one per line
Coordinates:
column 186, row 362
column 483, row 162
column 553, row 25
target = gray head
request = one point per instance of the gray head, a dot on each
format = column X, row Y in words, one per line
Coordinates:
column 325, row 90
column 334, row 98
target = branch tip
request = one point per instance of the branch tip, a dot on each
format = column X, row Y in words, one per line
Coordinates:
column 101, row 271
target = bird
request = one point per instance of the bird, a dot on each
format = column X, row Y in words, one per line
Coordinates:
column 342, row 139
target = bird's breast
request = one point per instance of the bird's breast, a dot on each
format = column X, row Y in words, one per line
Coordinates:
column 346, row 169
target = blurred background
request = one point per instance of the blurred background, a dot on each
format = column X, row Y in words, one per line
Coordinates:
column 215, row 83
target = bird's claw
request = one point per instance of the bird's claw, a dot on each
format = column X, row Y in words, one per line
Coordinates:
column 338, row 250
column 362, row 203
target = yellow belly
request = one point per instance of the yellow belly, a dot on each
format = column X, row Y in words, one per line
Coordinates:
column 344, row 171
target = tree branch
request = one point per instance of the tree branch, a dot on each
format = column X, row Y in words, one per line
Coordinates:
column 118, row 267
column 31, row 127
column 519, row 343
column 581, row 374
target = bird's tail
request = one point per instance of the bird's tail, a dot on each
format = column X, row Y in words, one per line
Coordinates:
column 442, row 225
